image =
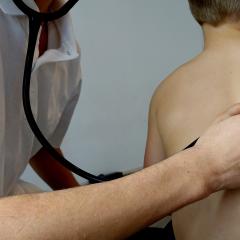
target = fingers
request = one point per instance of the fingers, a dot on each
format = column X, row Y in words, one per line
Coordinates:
column 232, row 111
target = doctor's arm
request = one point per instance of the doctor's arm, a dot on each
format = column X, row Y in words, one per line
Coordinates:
column 112, row 210
column 115, row 210
column 52, row 172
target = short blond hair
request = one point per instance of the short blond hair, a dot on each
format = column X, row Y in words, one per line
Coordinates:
column 215, row 12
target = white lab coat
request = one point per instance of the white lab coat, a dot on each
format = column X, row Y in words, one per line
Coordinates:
column 55, row 88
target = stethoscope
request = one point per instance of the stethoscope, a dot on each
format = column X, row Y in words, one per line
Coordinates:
column 35, row 21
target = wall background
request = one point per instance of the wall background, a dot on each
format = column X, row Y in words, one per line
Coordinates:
column 128, row 47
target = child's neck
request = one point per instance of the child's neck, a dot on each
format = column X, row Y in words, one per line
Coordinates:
column 222, row 38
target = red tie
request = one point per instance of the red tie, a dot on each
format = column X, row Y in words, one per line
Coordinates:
column 43, row 41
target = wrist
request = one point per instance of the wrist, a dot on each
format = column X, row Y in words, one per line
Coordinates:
column 207, row 171
column 187, row 178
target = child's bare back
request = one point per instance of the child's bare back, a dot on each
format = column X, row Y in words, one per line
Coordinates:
column 185, row 104
column 203, row 89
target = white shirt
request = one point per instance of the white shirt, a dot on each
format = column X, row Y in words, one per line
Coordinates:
column 55, row 88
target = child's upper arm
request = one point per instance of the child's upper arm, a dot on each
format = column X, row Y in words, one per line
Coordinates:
column 154, row 151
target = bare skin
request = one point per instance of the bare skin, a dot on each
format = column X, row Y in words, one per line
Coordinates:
column 117, row 209
column 108, row 211
column 182, row 108
column 52, row 172
column 45, row 5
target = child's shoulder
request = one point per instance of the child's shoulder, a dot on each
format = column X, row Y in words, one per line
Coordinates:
column 184, row 74
column 182, row 81
column 185, row 78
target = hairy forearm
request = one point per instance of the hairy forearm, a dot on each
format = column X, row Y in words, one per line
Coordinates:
column 112, row 210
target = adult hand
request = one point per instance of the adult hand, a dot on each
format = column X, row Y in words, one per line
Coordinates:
column 220, row 145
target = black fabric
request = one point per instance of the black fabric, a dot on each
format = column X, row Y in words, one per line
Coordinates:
column 155, row 233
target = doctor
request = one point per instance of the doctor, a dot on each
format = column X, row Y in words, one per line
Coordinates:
column 55, row 88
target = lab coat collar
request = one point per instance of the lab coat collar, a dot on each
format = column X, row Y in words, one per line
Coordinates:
column 69, row 48
column 9, row 7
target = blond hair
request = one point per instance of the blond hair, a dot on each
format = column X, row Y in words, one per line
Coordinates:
column 215, row 12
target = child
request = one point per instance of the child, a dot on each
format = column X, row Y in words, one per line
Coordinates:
column 186, row 103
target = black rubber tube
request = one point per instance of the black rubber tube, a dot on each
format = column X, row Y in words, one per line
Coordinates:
column 35, row 21
column 51, row 16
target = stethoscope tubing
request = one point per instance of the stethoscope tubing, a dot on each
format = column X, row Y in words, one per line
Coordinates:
column 35, row 21
column 48, row 16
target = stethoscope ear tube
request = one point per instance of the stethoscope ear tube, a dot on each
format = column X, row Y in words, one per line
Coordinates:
column 51, row 16
column 34, row 26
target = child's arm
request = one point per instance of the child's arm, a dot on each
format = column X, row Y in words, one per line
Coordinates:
column 154, row 151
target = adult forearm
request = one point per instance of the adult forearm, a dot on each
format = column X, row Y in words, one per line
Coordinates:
column 112, row 210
